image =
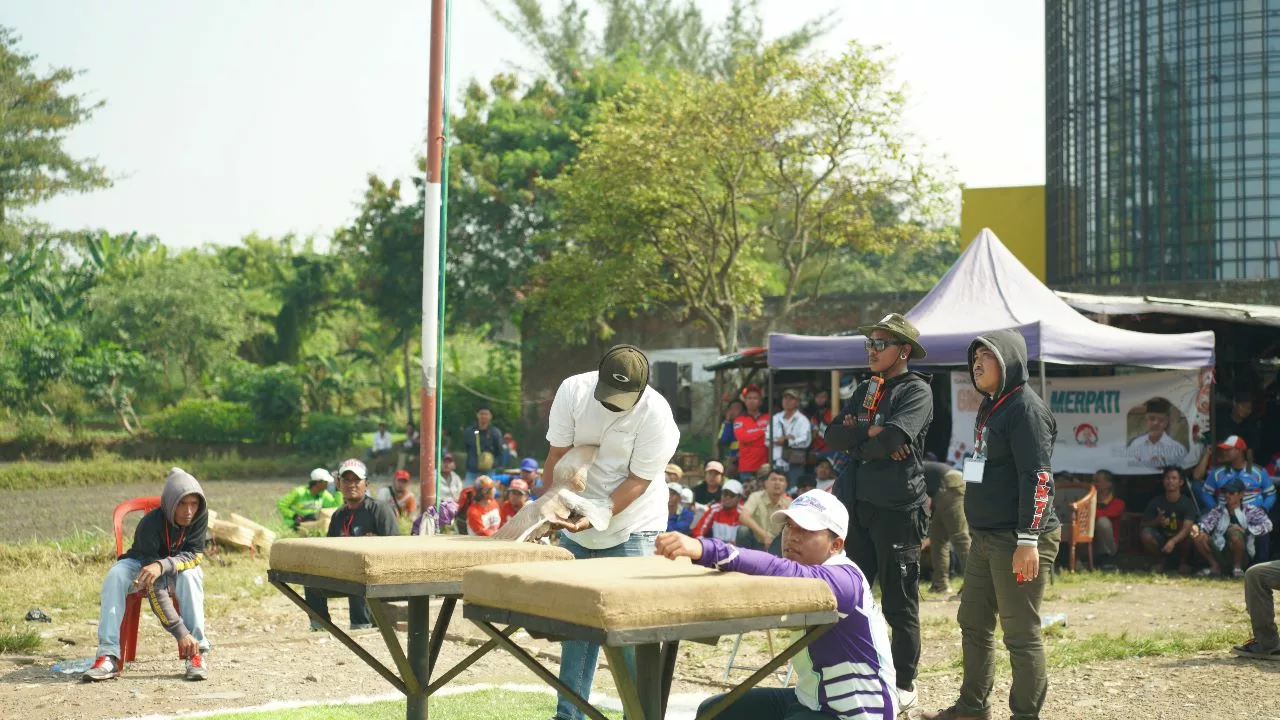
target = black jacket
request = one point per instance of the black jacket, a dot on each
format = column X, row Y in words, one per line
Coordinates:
column 905, row 411
column 1016, row 492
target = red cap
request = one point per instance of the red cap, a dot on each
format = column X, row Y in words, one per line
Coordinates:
column 520, row 485
column 402, row 474
column 751, row 388
column 1233, row 442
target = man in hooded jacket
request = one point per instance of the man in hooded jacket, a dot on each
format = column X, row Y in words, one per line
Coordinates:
column 882, row 484
column 168, row 547
column 1009, row 506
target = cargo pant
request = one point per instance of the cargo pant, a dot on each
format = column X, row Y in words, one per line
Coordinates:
column 991, row 591
column 1260, row 582
column 948, row 528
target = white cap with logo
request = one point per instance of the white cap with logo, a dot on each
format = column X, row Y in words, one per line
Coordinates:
column 352, row 465
column 817, row 510
column 732, row 486
column 320, row 475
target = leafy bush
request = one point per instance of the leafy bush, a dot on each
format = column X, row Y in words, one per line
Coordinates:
column 37, row 429
column 207, row 421
column 273, row 393
column 326, row 434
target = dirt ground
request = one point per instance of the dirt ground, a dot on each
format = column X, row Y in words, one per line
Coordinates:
column 263, row 650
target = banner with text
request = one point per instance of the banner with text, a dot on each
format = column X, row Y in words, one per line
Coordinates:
column 1128, row 424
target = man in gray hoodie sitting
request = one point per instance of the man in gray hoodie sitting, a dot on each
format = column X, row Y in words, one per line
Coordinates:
column 168, row 547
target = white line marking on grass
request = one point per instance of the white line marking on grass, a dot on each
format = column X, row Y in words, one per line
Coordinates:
column 681, row 706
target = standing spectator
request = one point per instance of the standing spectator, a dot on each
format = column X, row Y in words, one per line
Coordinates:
column 1260, row 584
column 1227, row 532
column 674, row 473
column 759, row 527
column 883, row 487
column 1167, row 521
column 722, row 520
column 517, row 496
column 947, row 527
column 359, row 515
column 412, row 439
column 612, row 407
column 167, row 550
column 485, row 445
column 819, row 414
column 1155, row 448
column 530, row 475
column 708, row 491
column 484, row 516
column 792, row 435
column 1015, row 532
column 679, row 517
column 509, row 451
column 1258, row 487
column 381, row 442
column 1106, row 530
column 728, row 442
column 303, row 503
column 398, row 496
column 825, row 476
column 1244, row 424
column 450, row 489
column 751, row 429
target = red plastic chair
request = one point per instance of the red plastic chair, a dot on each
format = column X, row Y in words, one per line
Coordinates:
column 133, row 601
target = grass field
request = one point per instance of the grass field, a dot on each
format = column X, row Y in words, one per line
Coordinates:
column 479, row 705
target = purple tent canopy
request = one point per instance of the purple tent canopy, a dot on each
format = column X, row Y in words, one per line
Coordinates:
column 989, row 289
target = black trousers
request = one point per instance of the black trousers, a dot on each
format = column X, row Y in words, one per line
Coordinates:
column 885, row 544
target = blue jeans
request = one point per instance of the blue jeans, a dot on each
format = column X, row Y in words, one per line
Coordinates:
column 188, row 586
column 578, row 659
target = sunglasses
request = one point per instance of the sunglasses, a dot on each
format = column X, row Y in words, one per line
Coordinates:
column 880, row 345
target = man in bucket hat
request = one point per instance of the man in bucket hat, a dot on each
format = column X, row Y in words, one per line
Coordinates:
column 850, row 656
column 882, row 434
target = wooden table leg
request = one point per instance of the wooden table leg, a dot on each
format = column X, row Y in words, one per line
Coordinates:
column 419, row 656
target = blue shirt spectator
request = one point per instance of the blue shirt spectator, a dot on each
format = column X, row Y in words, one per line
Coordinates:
column 1259, row 489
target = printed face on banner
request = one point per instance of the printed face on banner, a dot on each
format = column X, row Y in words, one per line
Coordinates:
column 1128, row 424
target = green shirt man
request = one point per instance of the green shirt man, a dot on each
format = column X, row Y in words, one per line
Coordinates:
column 304, row 502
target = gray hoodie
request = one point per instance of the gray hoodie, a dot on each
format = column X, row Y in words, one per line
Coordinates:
column 159, row 539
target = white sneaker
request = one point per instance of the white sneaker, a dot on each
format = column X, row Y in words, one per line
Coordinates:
column 907, row 699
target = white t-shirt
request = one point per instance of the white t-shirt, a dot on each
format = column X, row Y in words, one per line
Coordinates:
column 1158, row 454
column 798, row 427
column 381, row 441
column 639, row 441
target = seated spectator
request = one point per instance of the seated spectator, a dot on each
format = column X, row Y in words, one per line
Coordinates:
column 303, row 503
column 1258, row 487
column 722, row 518
column 826, row 475
column 359, row 515
column 1106, row 531
column 381, row 442
column 484, row 516
column 450, row 488
column 531, row 476
column 1167, row 522
column 804, row 485
column 708, row 491
column 844, row 673
column 675, row 474
column 1226, row 533
column 412, row 440
column 728, row 442
column 398, row 496
column 465, row 498
column 517, row 496
column 1260, row 583
column 168, row 547
column 679, row 517
column 759, row 528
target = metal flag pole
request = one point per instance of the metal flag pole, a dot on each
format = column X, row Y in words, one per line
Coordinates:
column 431, row 259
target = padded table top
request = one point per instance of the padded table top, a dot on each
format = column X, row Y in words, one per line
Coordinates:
column 628, row 593
column 402, row 560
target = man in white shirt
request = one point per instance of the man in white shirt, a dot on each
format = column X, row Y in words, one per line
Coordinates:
column 792, row 434
column 1154, row 448
column 613, row 408
column 381, row 442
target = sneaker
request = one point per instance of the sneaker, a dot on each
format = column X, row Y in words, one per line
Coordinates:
column 907, row 699
column 1205, row 572
column 1237, row 573
column 1250, row 649
column 106, row 667
column 940, row 589
column 197, row 668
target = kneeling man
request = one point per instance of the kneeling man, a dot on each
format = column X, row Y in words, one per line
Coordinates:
column 846, row 672
column 168, row 547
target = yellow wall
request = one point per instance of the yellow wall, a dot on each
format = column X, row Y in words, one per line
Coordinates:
column 1014, row 214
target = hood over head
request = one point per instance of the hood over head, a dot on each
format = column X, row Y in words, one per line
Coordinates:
column 1010, row 349
column 178, row 485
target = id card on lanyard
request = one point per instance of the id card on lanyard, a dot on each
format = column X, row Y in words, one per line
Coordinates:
column 974, row 466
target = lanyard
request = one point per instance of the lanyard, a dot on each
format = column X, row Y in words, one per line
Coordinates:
column 346, row 527
column 982, row 425
column 168, row 545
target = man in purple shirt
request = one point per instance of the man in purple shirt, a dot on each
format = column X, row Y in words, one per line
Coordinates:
column 847, row 672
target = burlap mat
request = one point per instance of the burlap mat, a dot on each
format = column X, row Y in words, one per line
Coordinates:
column 629, row 593
column 373, row 560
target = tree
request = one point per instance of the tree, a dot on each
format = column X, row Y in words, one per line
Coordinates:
column 693, row 193
column 36, row 113
column 107, row 372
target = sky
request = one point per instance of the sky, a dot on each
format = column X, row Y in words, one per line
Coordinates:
column 229, row 117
